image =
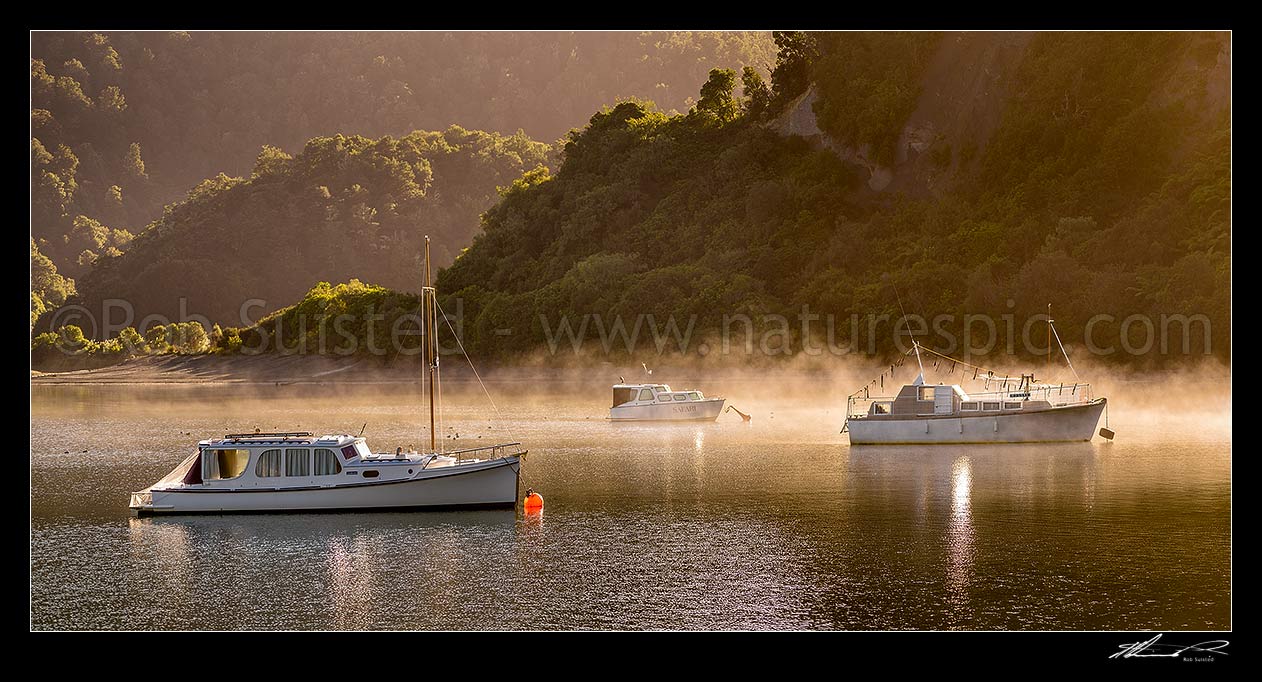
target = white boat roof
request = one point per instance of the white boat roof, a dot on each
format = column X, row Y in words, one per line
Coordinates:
column 293, row 438
column 656, row 387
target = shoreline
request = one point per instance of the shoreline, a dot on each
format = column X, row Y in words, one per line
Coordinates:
column 314, row 369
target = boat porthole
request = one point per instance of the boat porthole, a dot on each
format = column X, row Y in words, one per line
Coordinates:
column 370, row 474
column 409, row 471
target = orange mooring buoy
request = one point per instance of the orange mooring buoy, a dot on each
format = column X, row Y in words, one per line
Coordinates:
column 534, row 501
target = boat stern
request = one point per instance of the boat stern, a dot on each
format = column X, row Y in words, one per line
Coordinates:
column 141, row 502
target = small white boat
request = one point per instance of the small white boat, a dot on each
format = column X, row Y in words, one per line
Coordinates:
column 270, row 472
column 266, row 472
column 1017, row 411
column 657, row 402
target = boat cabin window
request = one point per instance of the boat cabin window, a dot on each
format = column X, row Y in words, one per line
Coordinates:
column 268, row 465
column 219, row 465
column 990, row 406
column 681, row 396
column 926, row 393
column 880, row 408
column 326, row 463
column 1012, row 406
column 694, row 395
column 298, row 462
column 969, row 406
column 623, row 395
column 646, row 394
column 664, row 397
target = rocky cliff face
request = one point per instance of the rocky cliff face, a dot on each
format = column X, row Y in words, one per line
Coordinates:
column 798, row 118
column 964, row 90
column 961, row 101
column 962, row 96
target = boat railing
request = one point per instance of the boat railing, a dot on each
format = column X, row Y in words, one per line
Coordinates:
column 268, row 435
column 496, row 451
column 1052, row 393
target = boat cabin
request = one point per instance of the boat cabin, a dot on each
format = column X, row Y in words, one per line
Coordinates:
column 648, row 394
column 284, row 459
column 919, row 400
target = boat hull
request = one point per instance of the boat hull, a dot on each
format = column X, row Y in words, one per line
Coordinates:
column 484, row 484
column 1054, row 425
column 706, row 410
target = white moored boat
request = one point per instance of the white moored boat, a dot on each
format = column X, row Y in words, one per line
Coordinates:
column 1017, row 411
column 657, row 402
column 262, row 472
column 268, row 472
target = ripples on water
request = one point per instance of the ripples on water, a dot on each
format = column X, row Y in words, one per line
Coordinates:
column 775, row 525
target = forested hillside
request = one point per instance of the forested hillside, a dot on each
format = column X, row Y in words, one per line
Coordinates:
column 1104, row 188
column 343, row 207
column 986, row 174
column 124, row 123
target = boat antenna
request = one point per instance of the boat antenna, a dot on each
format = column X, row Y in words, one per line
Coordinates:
column 621, row 380
column 914, row 344
column 645, row 365
column 361, row 429
column 427, row 295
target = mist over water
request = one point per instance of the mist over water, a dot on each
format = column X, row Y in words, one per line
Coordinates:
column 778, row 524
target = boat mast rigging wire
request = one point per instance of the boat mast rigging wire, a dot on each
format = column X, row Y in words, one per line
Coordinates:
column 914, row 344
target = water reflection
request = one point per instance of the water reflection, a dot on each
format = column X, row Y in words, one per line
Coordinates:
column 966, row 503
column 778, row 524
column 301, row 570
column 959, row 537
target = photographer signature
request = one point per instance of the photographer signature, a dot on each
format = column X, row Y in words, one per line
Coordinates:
column 1153, row 649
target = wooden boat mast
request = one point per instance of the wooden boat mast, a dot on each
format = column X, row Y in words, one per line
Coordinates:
column 431, row 348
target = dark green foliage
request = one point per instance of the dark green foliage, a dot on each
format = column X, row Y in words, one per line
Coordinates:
column 796, row 51
column 202, row 103
column 68, row 349
column 48, row 288
column 347, row 319
column 868, row 84
column 1105, row 190
column 717, row 104
column 344, row 207
column 757, row 93
column 650, row 214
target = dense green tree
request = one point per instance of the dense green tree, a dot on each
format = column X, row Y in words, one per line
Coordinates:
column 156, row 339
column 132, row 341
column 134, row 165
column 795, row 53
column 757, row 93
column 717, row 103
column 48, row 288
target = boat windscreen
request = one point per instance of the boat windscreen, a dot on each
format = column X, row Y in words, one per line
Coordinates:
column 178, row 473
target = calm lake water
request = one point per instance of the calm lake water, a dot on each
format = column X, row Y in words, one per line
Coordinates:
column 778, row 524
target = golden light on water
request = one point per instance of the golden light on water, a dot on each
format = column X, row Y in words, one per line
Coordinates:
column 960, row 536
